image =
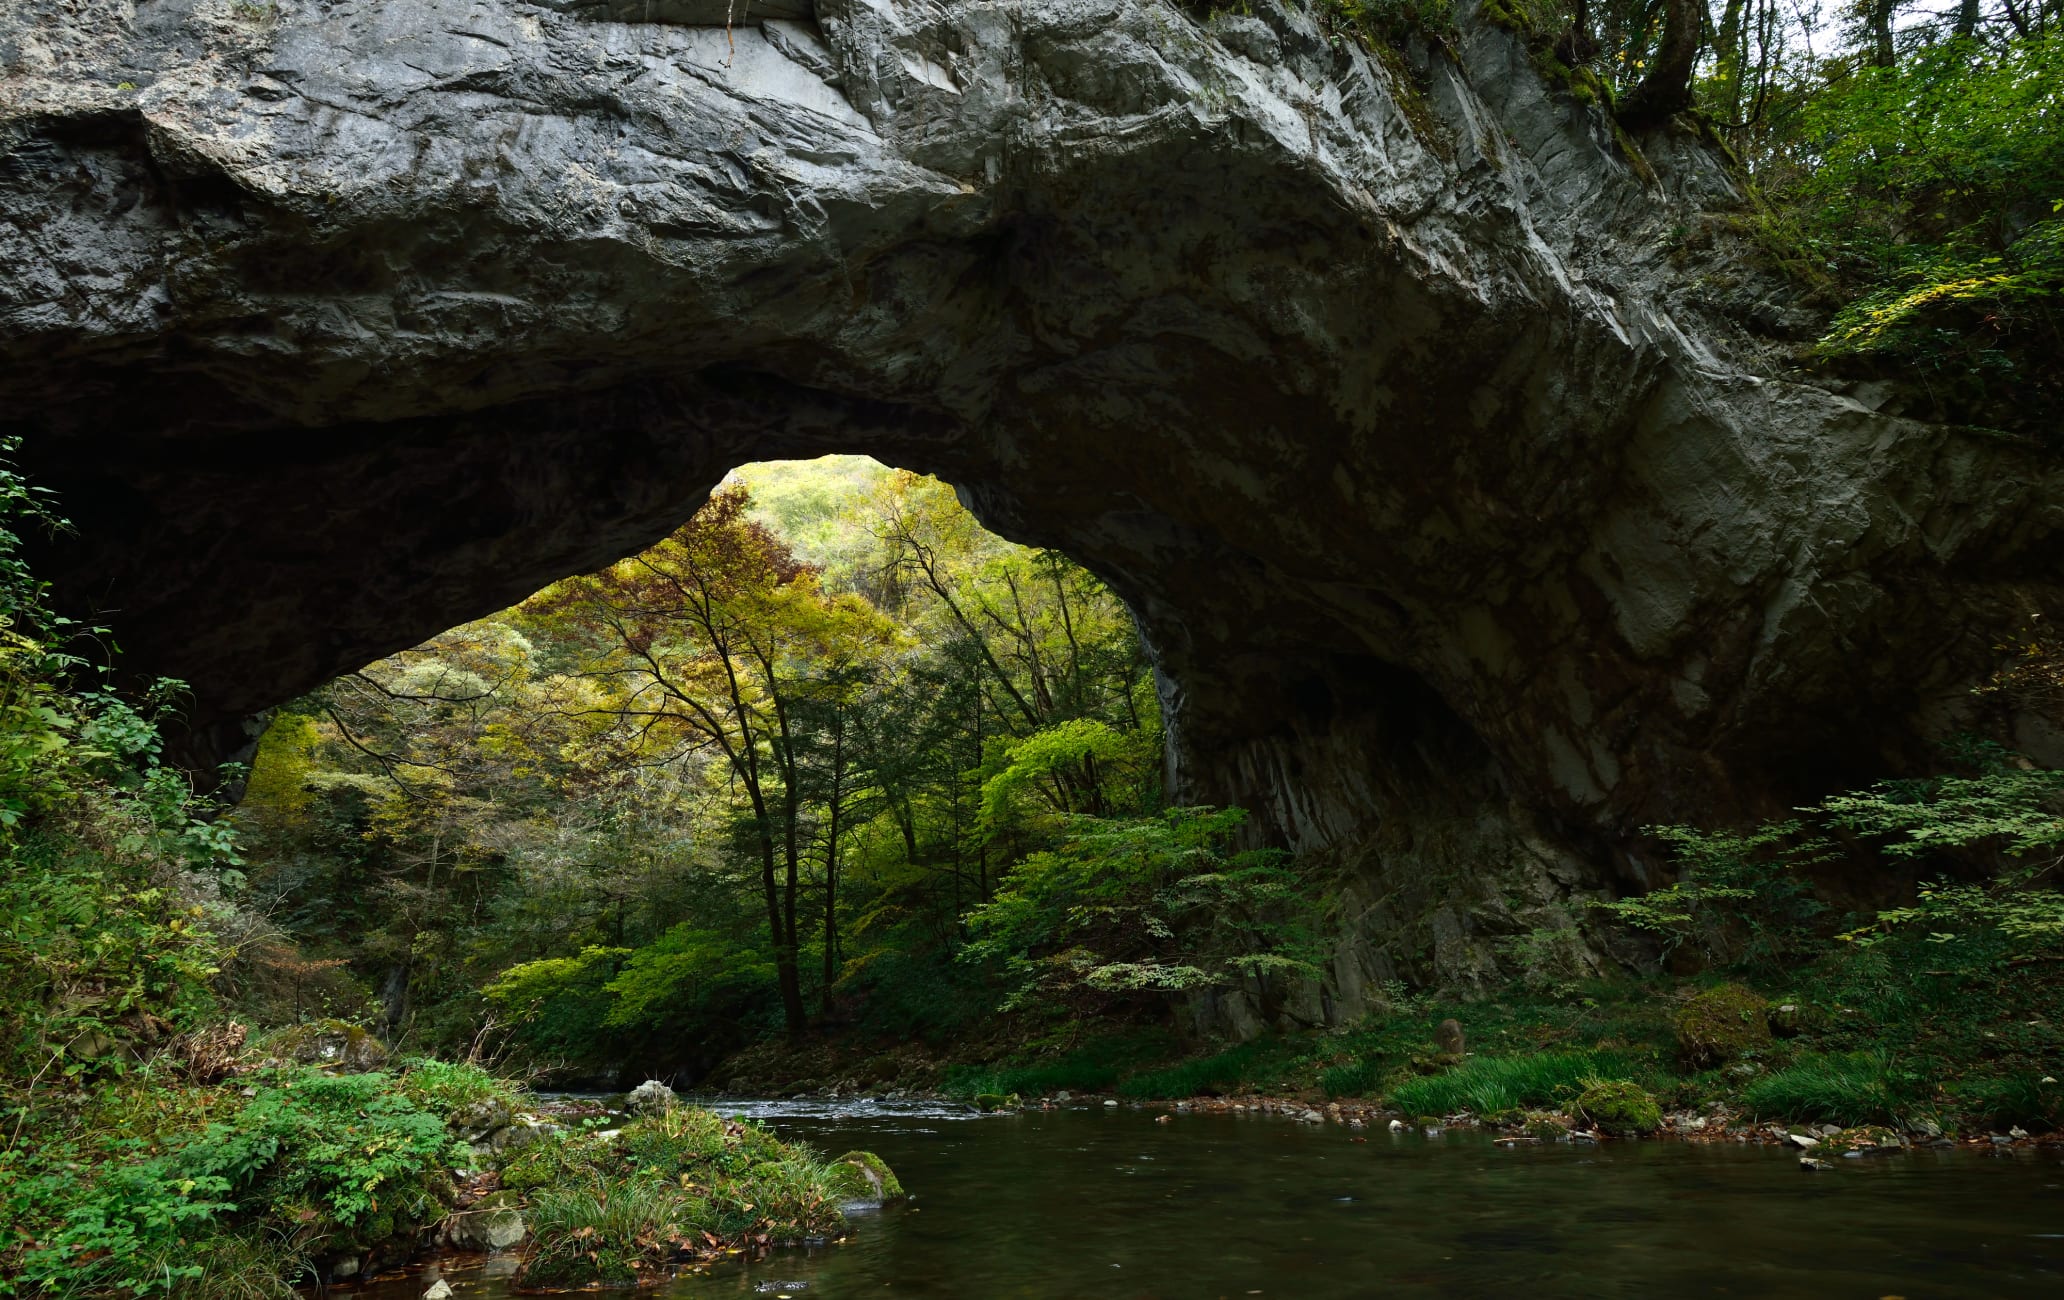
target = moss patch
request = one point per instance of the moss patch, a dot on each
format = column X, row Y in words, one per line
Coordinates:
column 1724, row 1023
column 1619, row 1106
column 867, row 1176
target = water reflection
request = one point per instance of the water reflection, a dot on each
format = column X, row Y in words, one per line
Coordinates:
column 1106, row 1203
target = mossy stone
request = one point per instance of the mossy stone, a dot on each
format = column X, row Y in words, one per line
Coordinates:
column 1724, row 1023
column 864, row 1175
column 1619, row 1106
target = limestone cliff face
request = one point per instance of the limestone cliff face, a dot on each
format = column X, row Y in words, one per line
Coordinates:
column 1433, row 433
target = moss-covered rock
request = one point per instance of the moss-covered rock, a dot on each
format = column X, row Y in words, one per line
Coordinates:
column 1619, row 1106
column 1724, row 1023
column 865, row 1176
column 333, row 1044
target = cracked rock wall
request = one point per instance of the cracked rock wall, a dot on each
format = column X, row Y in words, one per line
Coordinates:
column 1440, row 439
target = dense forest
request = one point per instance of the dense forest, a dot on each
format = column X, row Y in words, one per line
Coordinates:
column 766, row 776
column 833, row 788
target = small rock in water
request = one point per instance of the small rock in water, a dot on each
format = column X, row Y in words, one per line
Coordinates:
column 439, row 1290
column 1801, row 1141
column 784, row 1288
column 1810, row 1165
column 1108, row 1101
column 1164, row 1119
column 1398, row 1126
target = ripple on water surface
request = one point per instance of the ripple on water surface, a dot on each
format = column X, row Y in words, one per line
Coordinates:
column 1105, row 1202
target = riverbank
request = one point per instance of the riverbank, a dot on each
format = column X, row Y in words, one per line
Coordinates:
column 1849, row 1044
column 308, row 1157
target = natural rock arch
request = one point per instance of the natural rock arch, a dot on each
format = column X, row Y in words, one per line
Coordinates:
column 1436, row 435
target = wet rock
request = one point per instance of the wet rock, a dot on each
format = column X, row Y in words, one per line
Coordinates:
column 495, row 1223
column 1811, row 1165
column 865, row 1176
column 475, row 1121
column 520, row 1133
column 1801, row 1141
column 438, row 1290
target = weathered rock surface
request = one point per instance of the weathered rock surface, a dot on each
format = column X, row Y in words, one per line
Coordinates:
column 1434, row 437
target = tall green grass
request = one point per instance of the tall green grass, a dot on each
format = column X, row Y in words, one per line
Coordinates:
column 1487, row 1085
column 1851, row 1089
column 1095, row 1066
column 1235, row 1068
column 1358, row 1078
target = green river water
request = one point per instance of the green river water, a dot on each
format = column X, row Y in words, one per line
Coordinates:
column 1105, row 1202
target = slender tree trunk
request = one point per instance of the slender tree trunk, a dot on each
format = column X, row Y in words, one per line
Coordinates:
column 831, row 838
column 1882, row 53
column 1666, row 90
column 1727, row 58
column 1967, row 20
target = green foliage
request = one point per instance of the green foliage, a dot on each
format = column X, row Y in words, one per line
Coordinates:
column 564, row 821
column 1092, row 1066
column 1487, row 1085
column 1157, row 905
column 1934, row 186
column 1389, row 21
column 1724, row 1023
column 688, row 976
column 558, row 1002
column 606, row 1232
column 2029, row 1100
column 312, row 1161
column 617, row 1209
column 1738, row 897
column 445, row 1088
column 1618, row 1106
column 1232, row 1069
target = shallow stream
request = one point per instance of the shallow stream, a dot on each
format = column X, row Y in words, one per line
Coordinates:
column 1104, row 1201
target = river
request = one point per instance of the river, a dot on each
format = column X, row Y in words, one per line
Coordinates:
column 1106, row 1202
